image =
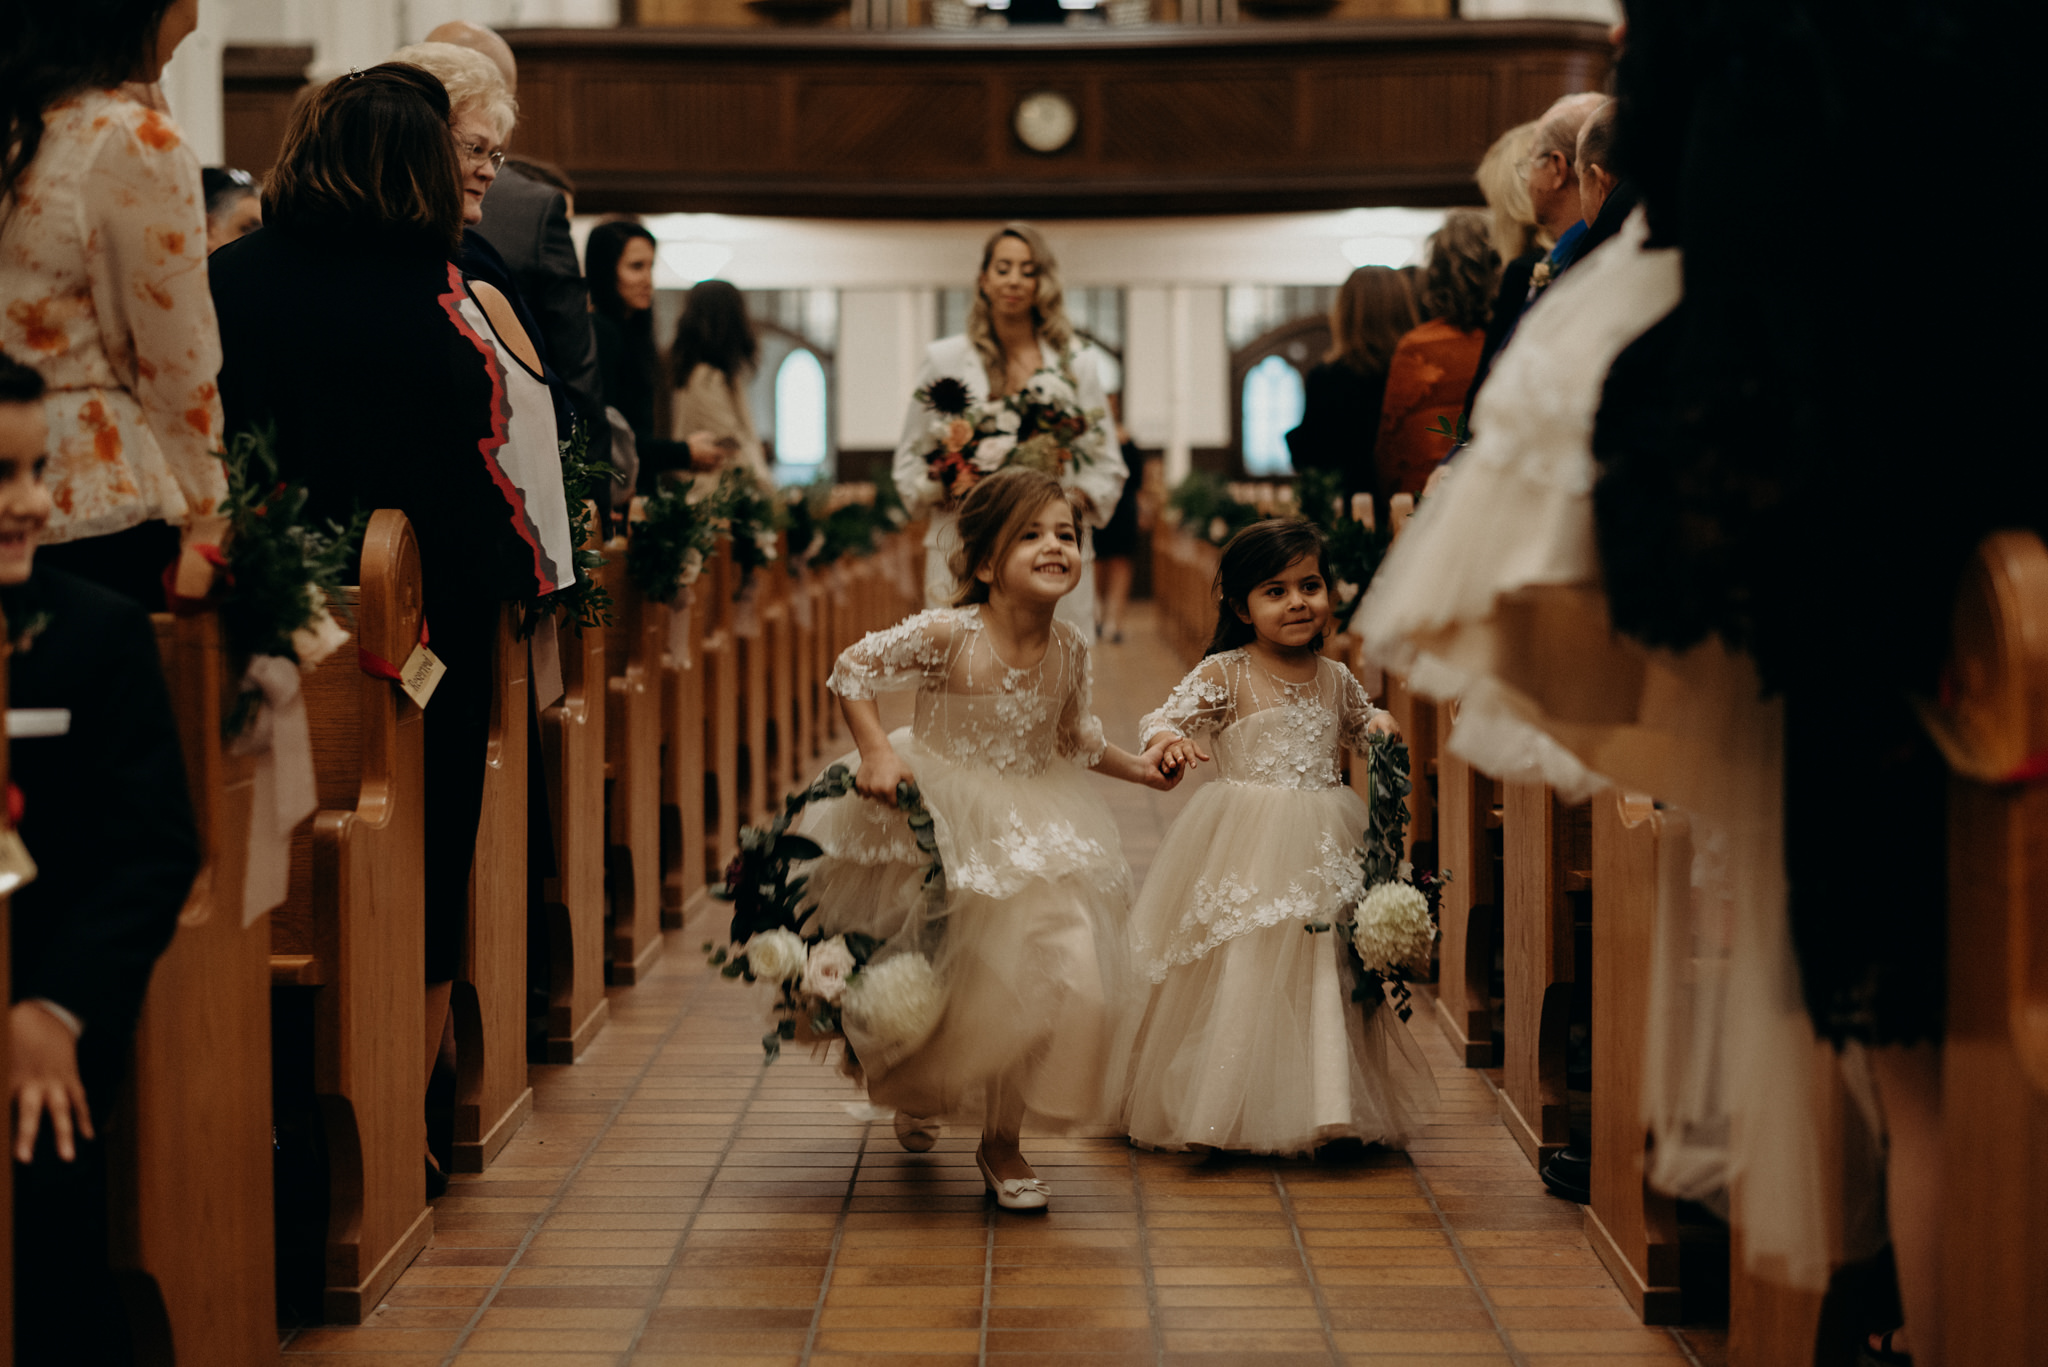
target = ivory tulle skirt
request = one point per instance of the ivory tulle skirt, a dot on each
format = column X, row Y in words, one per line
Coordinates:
column 1029, row 945
column 1249, row 1039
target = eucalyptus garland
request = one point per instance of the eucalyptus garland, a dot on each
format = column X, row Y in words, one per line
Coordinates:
column 1351, row 552
column 669, row 543
column 282, row 570
column 585, row 602
column 752, row 517
column 767, row 900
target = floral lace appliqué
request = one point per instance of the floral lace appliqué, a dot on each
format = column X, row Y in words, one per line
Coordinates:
column 1001, row 864
column 1225, row 908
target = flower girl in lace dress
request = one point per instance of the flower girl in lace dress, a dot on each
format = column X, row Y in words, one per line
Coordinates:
column 1250, row 1040
column 1029, row 944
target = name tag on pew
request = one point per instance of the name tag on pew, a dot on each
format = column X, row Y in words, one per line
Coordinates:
column 35, row 723
column 421, row 674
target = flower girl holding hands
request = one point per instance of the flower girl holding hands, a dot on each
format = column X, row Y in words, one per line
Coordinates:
column 1250, row 1039
column 1028, row 943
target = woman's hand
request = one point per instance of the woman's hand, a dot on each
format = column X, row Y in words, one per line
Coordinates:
column 707, row 452
column 46, row 1079
column 1382, row 723
column 880, row 773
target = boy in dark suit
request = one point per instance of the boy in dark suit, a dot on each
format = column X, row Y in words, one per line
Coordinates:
column 104, row 811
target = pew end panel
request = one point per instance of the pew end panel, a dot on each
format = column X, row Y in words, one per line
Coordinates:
column 1995, row 1061
column 1547, row 855
column 683, row 675
column 351, row 935
column 492, row 1099
column 1637, row 856
column 721, row 683
column 573, row 739
column 633, row 690
column 1470, row 912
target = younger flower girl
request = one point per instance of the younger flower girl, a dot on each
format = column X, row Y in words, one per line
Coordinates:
column 1029, row 943
column 1250, row 1040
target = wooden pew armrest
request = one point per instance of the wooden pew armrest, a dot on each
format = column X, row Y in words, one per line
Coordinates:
column 295, row 970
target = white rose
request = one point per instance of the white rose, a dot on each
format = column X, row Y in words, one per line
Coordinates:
column 993, row 451
column 892, row 1007
column 1009, row 420
column 830, row 964
column 766, row 541
column 775, row 955
column 1392, row 929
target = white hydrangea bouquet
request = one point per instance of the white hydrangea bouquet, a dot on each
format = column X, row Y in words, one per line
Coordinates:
column 1392, row 929
column 827, row 987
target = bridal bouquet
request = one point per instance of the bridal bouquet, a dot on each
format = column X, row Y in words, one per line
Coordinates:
column 1042, row 426
column 827, row 987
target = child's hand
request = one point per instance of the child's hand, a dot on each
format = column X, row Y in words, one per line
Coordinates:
column 1382, row 723
column 878, row 776
column 1173, row 756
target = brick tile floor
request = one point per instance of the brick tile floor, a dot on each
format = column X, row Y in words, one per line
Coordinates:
column 674, row 1202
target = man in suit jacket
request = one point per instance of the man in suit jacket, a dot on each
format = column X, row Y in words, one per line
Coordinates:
column 527, row 221
column 104, row 812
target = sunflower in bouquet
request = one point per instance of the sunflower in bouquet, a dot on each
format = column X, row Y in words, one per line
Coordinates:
column 826, row 986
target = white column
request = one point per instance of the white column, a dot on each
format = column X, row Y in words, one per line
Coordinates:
column 192, row 84
column 1179, row 449
column 1148, row 364
column 878, row 357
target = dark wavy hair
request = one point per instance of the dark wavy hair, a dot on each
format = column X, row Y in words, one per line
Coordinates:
column 601, row 270
column 369, row 157
column 1372, row 310
column 51, row 49
column 18, row 383
column 714, row 331
column 1458, row 283
column 1256, row 554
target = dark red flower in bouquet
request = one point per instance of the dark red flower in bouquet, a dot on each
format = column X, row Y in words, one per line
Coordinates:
column 946, row 467
column 948, row 395
column 735, row 873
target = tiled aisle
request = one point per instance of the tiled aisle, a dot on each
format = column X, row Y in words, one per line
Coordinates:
column 673, row 1201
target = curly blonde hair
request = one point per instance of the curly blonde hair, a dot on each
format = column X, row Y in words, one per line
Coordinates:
column 473, row 81
column 1506, row 188
column 1048, row 311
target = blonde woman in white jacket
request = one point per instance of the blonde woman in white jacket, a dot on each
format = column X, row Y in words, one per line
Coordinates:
column 1017, row 329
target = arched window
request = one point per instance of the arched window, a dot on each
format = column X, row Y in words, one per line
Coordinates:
column 800, row 431
column 1273, row 402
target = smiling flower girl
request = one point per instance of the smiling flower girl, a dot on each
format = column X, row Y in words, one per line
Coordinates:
column 1250, row 1039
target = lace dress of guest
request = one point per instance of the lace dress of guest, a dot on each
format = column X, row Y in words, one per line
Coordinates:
column 1250, row 1040
column 1029, row 944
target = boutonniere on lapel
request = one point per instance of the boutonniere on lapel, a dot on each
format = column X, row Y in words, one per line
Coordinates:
column 1540, row 278
column 24, row 640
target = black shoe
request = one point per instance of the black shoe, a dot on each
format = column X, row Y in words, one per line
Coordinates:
column 1885, row 1355
column 437, row 1181
column 1569, row 1174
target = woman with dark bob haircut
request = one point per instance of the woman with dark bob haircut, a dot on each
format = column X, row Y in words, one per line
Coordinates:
column 392, row 380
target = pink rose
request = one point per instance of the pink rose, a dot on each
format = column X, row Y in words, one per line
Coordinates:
column 826, row 971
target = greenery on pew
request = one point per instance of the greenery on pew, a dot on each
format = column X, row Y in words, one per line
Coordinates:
column 752, row 516
column 824, row 981
column 280, row 570
column 1354, row 552
column 667, row 549
column 1202, row 503
column 584, row 603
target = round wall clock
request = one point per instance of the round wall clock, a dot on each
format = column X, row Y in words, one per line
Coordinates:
column 1046, row 121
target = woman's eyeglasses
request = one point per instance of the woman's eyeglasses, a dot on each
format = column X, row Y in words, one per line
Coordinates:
column 475, row 153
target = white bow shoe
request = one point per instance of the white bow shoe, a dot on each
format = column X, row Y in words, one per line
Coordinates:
column 1014, row 1193
column 915, row 1135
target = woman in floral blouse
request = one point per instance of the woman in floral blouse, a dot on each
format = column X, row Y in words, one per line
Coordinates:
column 103, row 283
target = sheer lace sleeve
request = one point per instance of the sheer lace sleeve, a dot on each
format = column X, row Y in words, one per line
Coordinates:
column 1354, row 710
column 1199, row 704
column 1080, row 735
column 890, row 661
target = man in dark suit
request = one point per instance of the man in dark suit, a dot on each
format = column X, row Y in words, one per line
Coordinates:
column 527, row 221
column 103, row 810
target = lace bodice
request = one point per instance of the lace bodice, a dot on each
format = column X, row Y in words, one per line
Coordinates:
column 973, row 707
column 1267, row 732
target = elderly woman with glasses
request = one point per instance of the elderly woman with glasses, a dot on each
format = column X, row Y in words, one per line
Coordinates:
column 482, row 112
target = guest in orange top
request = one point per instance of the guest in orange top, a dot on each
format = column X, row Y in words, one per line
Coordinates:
column 1434, row 364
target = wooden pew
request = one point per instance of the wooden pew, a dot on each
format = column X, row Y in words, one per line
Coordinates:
column 802, row 749
column 492, row 1099
column 1632, row 1228
column 1995, row 1066
column 573, row 737
column 720, row 679
column 778, row 635
column 189, row 1154
column 633, row 647
column 754, row 626
column 683, row 771
column 351, row 932
column 1469, row 820
column 1546, row 856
